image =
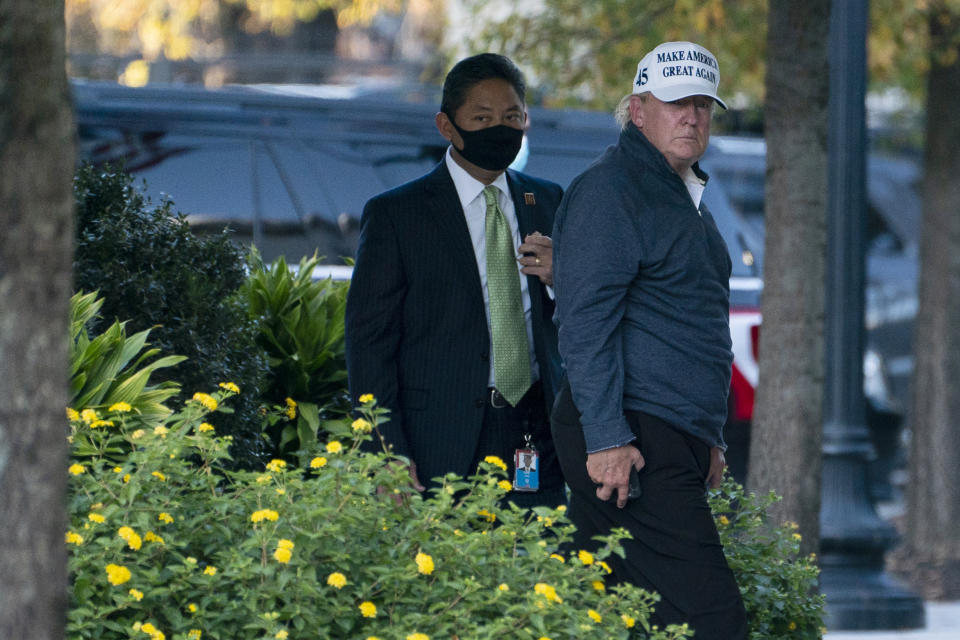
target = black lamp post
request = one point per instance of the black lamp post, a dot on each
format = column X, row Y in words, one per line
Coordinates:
column 853, row 538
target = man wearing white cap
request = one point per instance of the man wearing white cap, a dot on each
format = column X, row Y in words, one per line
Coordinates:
column 641, row 281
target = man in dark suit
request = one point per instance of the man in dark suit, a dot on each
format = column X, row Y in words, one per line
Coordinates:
column 448, row 320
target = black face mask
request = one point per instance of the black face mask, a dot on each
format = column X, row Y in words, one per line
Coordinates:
column 493, row 148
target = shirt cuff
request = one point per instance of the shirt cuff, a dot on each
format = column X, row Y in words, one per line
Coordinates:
column 607, row 435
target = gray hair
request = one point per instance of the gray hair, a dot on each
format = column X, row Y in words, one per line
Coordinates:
column 622, row 112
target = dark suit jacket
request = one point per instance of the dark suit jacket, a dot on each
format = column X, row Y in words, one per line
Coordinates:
column 416, row 329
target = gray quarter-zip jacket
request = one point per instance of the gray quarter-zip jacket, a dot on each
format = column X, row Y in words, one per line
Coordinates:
column 641, row 280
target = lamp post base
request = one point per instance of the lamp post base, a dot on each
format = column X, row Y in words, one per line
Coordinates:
column 865, row 598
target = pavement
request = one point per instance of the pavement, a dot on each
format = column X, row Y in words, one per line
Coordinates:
column 943, row 623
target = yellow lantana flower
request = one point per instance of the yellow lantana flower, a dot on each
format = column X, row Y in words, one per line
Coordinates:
column 557, row 556
column 585, row 557
column 136, row 594
column 72, row 415
column 596, row 617
column 337, row 580
column 418, row 636
column 74, row 538
column 491, row 517
column 229, row 386
column 318, row 462
column 368, row 609
column 130, row 537
column 334, row 447
column 208, row 401
column 282, row 555
column 160, row 476
column 165, row 517
column 120, row 407
column 361, row 426
column 264, row 514
column 210, row 571
column 150, row 536
column 204, row 427
column 96, row 517
column 367, row 397
column 495, row 461
column 276, row 465
column 88, row 415
column 117, row 574
column 628, row 622
column 76, row 469
column 424, row 563
column 505, row 485
column 598, row 585
column 547, row 592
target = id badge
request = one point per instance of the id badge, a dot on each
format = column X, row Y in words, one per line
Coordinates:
column 526, row 464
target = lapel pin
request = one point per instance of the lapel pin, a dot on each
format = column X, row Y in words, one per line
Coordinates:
column 529, row 199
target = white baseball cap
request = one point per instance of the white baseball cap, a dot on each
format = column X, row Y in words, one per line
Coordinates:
column 676, row 70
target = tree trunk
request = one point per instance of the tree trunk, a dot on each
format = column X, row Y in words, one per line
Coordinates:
column 933, row 495
column 36, row 169
column 785, row 451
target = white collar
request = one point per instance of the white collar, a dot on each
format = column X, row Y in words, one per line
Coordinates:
column 469, row 188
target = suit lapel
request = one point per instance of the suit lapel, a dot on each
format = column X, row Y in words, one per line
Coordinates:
column 526, row 205
column 528, row 221
column 442, row 205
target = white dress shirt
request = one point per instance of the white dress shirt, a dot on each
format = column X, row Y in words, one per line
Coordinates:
column 470, row 191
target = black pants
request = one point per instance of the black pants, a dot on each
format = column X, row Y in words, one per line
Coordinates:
column 502, row 434
column 675, row 549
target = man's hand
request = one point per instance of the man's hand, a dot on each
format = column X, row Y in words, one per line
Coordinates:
column 536, row 256
column 718, row 462
column 610, row 469
column 414, row 480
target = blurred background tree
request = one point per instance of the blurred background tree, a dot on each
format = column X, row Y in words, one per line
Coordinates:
column 931, row 553
column 219, row 41
column 584, row 54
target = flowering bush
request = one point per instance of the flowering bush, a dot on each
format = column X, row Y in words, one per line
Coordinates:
column 778, row 586
column 173, row 542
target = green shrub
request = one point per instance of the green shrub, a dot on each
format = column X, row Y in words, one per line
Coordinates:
column 155, row 274
column 778, row 586
column 301, row 328
column 171, row 543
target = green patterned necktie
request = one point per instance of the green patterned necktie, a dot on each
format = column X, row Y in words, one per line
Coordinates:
column 511, row 352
